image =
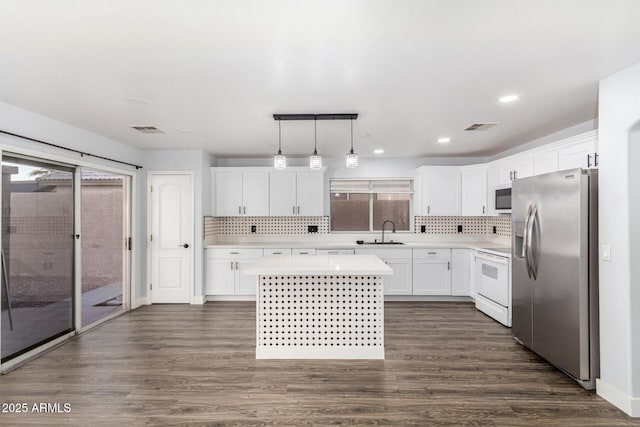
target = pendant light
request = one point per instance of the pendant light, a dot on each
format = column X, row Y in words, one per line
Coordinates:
column 315, row 160
column 352, row 157
column 279, row 160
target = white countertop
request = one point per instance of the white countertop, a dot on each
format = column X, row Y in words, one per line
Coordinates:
column 320, row 265
column 352, row 245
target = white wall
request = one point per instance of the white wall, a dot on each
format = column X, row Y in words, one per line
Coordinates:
column 619, row 105
column 23, row 122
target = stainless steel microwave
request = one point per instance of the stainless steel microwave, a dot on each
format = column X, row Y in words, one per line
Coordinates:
column 503, row 198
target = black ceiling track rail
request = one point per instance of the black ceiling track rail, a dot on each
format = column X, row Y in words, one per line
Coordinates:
column 82, row 153
column 338, row 116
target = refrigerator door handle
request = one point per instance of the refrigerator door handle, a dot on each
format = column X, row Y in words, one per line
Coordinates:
column 530, row 258
column 525, row 239
column 534, row 226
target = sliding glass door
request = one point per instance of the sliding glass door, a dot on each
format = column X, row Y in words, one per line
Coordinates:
column 37, row 254
column 65, row 250
column 104, row 215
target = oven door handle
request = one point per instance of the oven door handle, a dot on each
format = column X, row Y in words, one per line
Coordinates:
column 492, row 258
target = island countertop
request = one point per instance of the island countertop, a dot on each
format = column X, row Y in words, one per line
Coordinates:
column 320, row 265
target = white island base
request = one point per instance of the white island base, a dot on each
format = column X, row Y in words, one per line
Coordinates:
column 332, row 309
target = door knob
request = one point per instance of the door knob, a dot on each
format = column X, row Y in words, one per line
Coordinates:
column 186, row 245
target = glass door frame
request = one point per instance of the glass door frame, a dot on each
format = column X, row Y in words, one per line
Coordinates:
column 126, row 253
column 129, row 282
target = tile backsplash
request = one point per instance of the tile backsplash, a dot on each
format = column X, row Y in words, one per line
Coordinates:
column 470, row 224
column 239, row 225
column 440, row 225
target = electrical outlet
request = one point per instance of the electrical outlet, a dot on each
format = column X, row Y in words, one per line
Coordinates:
column 423, row 228
column 459, row 228
column 254, row 228
column 312, row 229
column 495, row 229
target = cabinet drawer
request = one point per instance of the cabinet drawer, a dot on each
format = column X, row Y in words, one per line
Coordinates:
column 277, row 251
column 303, row 251
column 386, row 253
column 234, row 253
column 335, row 251
column 441, row 254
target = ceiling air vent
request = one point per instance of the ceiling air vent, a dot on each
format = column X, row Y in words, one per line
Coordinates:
column 147, row 129
column 481, row 126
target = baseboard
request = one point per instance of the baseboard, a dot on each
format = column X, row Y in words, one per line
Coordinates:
column 198, row 300
column 630, row 405
column 230, row 297
column 427, row 298
column 139, row 302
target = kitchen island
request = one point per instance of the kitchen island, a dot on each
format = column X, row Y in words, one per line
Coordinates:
column 320, row 307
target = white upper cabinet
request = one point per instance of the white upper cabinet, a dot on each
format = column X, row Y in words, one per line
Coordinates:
column 545, row 162
column 241, row 193
column 580, row 154
column 505, row 171
column 474, row 192
column 440, row 192
column 228, row 193
column 296, row 193
column 282, row 187
column 255, row 193
column 310, row 194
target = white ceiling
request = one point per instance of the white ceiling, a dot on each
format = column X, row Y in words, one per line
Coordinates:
column 413, row 70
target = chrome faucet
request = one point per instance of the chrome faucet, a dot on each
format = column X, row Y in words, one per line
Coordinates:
column 383, row 224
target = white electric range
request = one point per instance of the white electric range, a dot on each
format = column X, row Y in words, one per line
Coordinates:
column 493, row 283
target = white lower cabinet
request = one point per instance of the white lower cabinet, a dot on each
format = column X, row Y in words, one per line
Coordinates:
column 225, row 271
column 400, row 260
column 432, row 272
column 460, row 273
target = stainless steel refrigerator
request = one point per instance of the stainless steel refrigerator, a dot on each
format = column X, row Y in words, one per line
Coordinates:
column 555, row 270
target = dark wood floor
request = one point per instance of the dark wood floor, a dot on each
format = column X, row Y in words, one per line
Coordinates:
column 447, row 364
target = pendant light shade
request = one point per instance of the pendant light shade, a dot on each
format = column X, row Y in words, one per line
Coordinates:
column 279, row 160
column 315, row 160
column 352, row 157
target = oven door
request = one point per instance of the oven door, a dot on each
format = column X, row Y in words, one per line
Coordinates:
column 492, row 278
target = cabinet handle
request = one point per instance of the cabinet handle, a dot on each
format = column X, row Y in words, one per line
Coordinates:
column 236, row 265
column 239, row 210
column 293, row 210
column 245, row 210
column 515, row 174
column 234, row 253
column 298, row 210
column 588, row 160
column 483, row 209
column 595, row 160
column 431, row 253
column 428, row 209
column 510, row 175
column 276, row 253
column 448, row 265
column 232, row 265
column 303, row 253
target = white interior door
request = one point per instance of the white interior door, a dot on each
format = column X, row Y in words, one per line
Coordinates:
column 171, row 239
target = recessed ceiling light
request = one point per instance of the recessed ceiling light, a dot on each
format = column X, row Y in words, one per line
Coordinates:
column 508, row 98
column 444, row 140
column 378, row 151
